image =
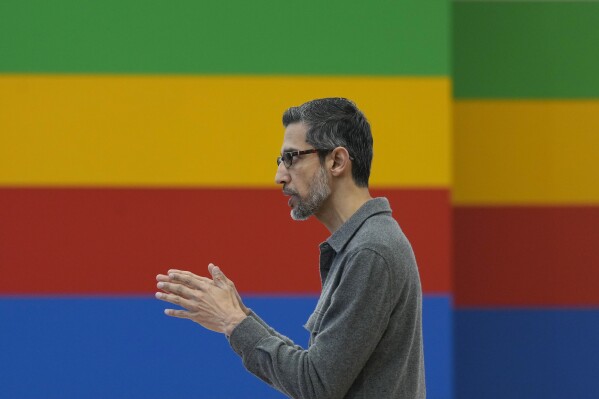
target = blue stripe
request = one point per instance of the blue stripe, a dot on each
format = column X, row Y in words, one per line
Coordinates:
column 437, row 330
column 127, row 348
column 527, row 354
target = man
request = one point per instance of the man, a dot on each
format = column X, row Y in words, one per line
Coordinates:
column 366, row 331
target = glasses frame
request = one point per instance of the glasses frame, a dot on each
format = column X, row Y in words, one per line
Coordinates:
column 287, row 157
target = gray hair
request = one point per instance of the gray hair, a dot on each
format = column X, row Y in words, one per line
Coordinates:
column 337, row 122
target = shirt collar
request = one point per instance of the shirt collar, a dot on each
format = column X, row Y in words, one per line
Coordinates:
column 340, row 238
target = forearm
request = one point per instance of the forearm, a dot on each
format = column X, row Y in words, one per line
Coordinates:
column 326, row 370
column 289, row 368
column 272, row 331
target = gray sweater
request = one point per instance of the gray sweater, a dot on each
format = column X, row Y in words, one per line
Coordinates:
column 366, row 330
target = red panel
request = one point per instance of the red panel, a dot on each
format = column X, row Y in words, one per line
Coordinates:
column 425, row 217
column 526, row 256
column 114, row 241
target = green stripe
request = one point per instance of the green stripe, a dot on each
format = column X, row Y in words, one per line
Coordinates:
column 526, row 50
column 408, row 37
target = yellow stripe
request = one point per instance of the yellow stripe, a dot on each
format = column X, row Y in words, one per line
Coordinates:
column 200, row 130
column 544, row 152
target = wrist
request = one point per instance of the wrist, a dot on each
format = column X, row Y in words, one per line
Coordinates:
column 233, row 322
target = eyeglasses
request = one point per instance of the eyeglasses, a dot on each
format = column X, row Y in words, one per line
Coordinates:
column 287, row 157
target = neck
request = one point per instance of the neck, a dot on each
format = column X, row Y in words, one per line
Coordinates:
column 341, row 205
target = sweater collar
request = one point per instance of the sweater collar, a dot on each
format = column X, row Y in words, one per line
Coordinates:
column 341, row 237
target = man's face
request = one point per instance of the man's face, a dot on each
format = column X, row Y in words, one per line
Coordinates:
column 306, row 181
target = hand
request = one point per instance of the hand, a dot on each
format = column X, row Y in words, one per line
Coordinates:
column 211, row 267
column 214, row 304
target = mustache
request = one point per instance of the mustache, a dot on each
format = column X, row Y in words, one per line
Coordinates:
column 288, row 191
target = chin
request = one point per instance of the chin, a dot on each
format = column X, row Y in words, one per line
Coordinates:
column 295, row 216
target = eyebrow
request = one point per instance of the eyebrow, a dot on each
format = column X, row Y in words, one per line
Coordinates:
column 289, row 149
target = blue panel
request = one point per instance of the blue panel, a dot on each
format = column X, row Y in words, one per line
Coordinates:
column 127, row 348
column 527, row 354
column 437, row 329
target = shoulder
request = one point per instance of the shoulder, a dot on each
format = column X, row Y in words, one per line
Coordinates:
column 381, row 234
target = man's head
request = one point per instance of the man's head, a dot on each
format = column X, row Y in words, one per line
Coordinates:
column 336, row 122
column 336, row 130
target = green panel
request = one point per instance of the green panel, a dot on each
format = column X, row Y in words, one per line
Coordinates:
column 526, row 49
column 382, row 37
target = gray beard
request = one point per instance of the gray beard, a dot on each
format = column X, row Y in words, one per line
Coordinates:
column 319, row 192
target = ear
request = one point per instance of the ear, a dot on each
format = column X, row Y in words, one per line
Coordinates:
column 341, row 161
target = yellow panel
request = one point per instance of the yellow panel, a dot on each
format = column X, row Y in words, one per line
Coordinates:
column 205, row 130
column 526, row 152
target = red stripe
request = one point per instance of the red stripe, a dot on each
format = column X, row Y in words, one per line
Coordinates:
column 526, row 256
column 107, row 241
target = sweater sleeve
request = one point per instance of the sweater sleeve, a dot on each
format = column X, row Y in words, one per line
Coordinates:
column 271, row 330
column 343, row 336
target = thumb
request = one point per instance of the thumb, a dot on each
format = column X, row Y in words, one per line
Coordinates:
column 217, row 275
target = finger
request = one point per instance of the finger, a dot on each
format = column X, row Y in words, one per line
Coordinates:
column 190, row 274
column 184, row 272
column 217, row 275
column 164, row 277
column 182, row 314
column 174, row 299
column 212, row 266
column 180, row 271
column 195, row 283
column 177, row 289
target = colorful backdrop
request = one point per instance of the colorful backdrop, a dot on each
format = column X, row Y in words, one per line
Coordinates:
column 142, row 135
column 526, row 196
column 136, row 136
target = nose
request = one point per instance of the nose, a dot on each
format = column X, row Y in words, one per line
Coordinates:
column 282, row 175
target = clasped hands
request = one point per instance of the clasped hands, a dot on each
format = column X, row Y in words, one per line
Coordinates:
column 213, row 303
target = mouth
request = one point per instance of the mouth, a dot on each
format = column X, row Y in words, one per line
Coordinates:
column 291, row 196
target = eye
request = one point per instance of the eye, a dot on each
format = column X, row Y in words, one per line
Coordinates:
column 288, row 158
